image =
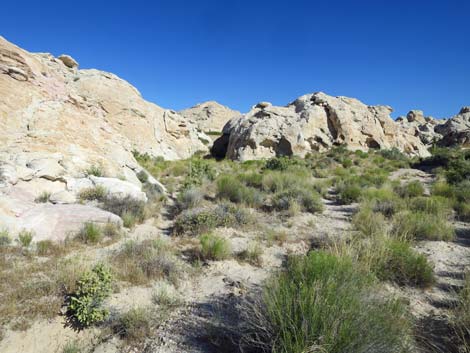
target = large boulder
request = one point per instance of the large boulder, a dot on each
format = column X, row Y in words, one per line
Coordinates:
column 209, row 116
column 456, row 130
column 314, row 122
column 420, row 126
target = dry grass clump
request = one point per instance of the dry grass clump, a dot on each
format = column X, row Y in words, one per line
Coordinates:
column 97, row 193
column 418, row 225
column 253, row 254
column 140, row 263
column 214, row 247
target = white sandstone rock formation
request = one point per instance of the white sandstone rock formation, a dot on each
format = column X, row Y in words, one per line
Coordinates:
column 209, row 116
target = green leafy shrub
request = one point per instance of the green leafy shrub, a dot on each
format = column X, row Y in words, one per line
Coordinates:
column 25, row 238
column 4, row 237
column 393, row 154
column 281, row 163
column 214, row 247
column 90, row 233
column 348, row 192
column 323, row 303
column 43, row 197
column 458, row 171
column 411, row 189
column 97, row 193
column 85, row 305
column 421, row 226
column 402, row 265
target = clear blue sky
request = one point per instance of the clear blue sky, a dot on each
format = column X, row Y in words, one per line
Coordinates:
column 407, row 54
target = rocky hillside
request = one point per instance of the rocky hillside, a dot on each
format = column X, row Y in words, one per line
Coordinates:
column 209, row 116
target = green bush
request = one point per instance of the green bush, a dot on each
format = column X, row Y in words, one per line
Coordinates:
column 411, row 189
column 348, row 192
column 369, row 223
column 434, row 205
column 393, row 154
column 190, row 198
column 143, row 176
column 402, row 265
column 323, row 303
column 125, row 207
column 90, row 233
column 95, row 170
column 97, row 193
column 442, row 188
column 463, row 211
column 4, row 237
column 231, row 189
column 307, row 198
column 43, row 197
column 25, row 238
column 281, row 163
column 383, row 200
column 199, row 220
column 134, row 326
column 458, row 171
column 85, row 305
column 421, row 226
column 214, row 247
column 461, row 316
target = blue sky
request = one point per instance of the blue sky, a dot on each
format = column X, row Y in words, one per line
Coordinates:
column 407, row 54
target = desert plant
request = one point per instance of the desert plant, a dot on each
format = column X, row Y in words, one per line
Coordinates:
column 323, row 303
column 253, row 254
column 95, row 170
column 97, row 193
column 369, row 223
column 85, row 305
column 134, row 326
column 421, row 226
column 411, row 189
column 306, row 198
column 189, row 198
column 49, row 248
column 4, row 237
column 214, row 247
column 348, row 192
column 43, row 197
column 90, row 233
column 434, row 205
column 125, row 207
column 461, row 316
column 72, row 347
column 402, row 265
column 231, row 189
column 25, row 238
column 165, row 295
column 111, row 230
column 142, row 176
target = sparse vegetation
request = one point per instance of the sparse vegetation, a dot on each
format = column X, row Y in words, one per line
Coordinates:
column 25, row 238
column 253, row 254
column 97, row 193
column 95, row 170
column 421, row 226
column 90, row 233
column 43, row 197
column 5, row 238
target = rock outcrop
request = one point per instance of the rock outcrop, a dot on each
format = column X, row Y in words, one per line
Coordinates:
column 209, row 116
column 57, row 121
column 415, row 123
column 456, row 130
column 314, row 122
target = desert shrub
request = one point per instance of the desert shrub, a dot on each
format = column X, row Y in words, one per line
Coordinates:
column 462, row 191
column 141, row 262
column 463, row 211
column 201, row 220
column 251, row 179
column 421, row 226
column 90, row 233
column 411, row 189
column 253, row 255
column 461, row 315
column 393, row 154
column 95, row 170
column 142, row 176
column 4, row 237
column 111, row 230
column 458, row 170
column 97, row 193
column 165, row 295
column 49, row 248
column 231, row 189
column 25, row 238
column 369, row 223
column 281, row 163
column 434, row 205
column 125, row 207
column 402, row 265
column 134, row 326
column 199, row 171
column 85, row 305
column 214, row 247
column 442, row 188
column 72, row 347
column 348, row 192
column 383, row 200
column 189, row 198
column 275, row 235
column 43, row 197
column 306, row 198
column 323, row 303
